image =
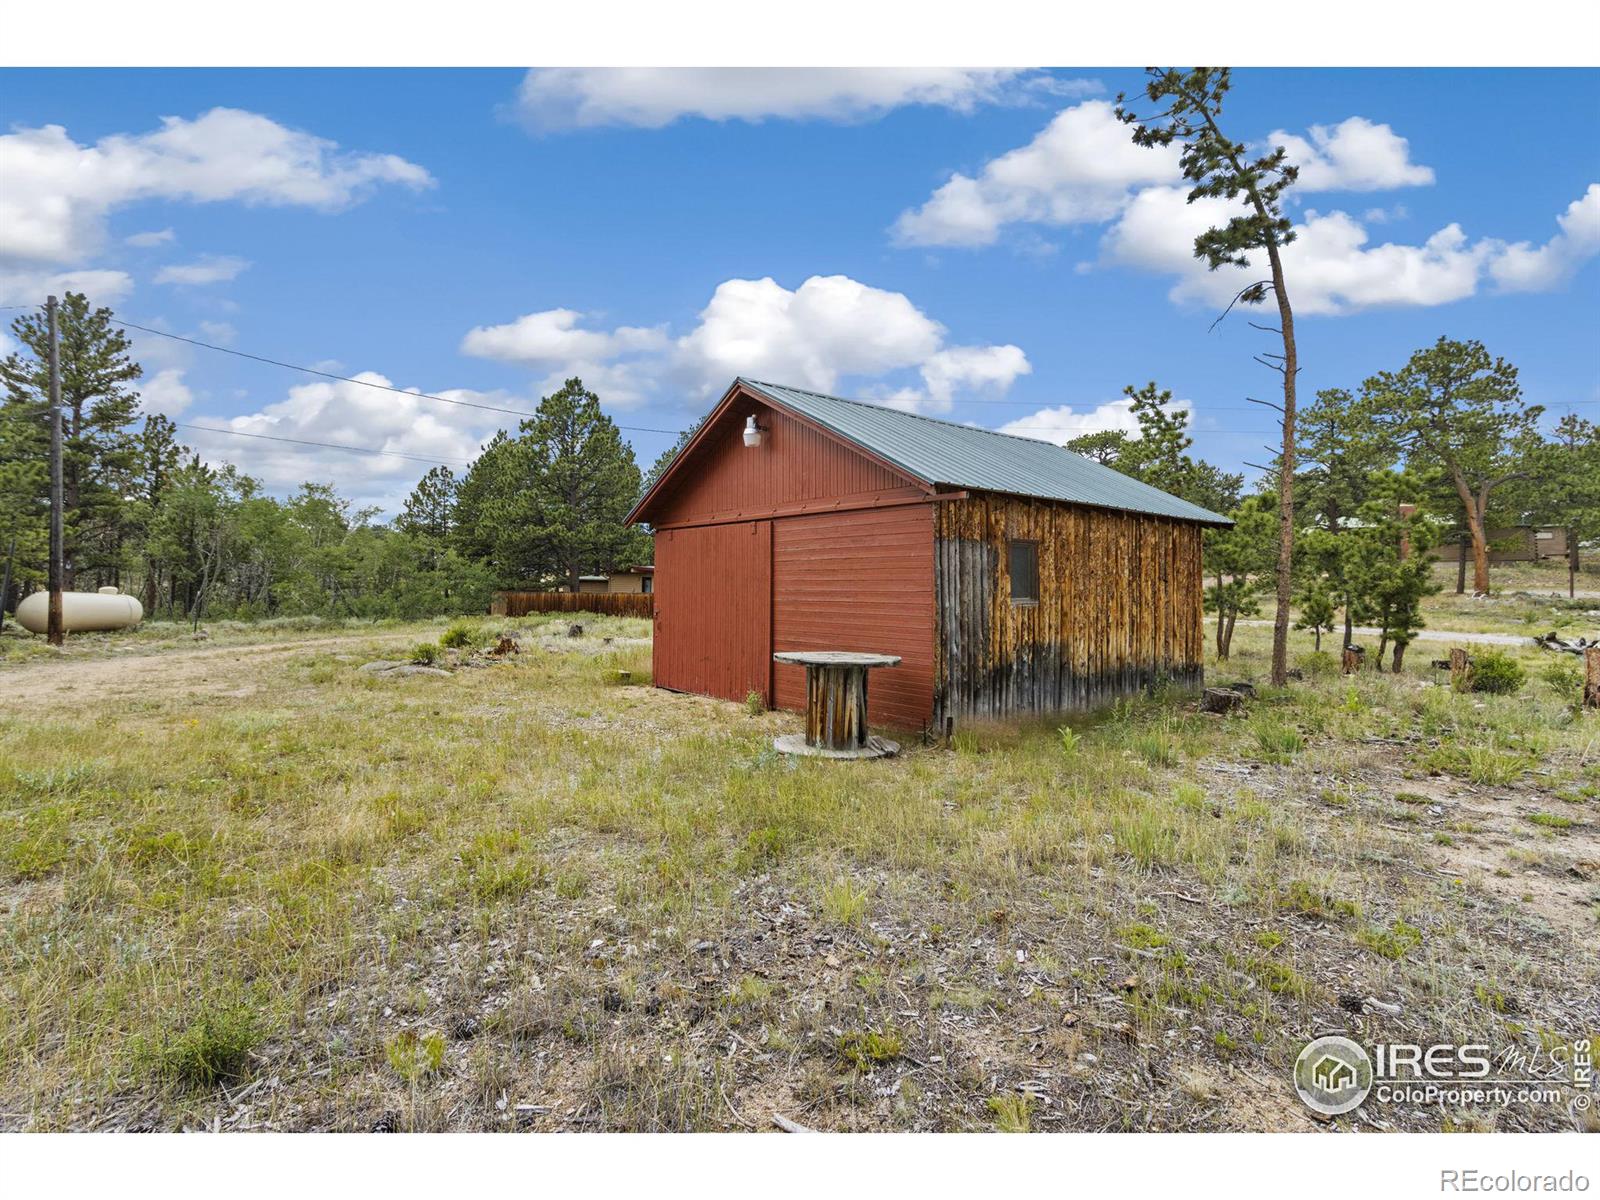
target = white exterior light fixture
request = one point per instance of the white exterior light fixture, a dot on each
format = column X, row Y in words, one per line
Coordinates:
column 752, row 432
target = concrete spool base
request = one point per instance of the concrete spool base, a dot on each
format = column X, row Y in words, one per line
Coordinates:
column 876, row 747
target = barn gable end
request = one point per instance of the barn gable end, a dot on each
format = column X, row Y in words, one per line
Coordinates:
column 798, row 467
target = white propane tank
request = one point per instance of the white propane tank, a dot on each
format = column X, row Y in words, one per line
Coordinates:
column 81, row 612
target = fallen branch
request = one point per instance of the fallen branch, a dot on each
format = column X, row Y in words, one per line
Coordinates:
column 788, row 1126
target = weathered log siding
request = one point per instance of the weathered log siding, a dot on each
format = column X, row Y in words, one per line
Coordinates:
column 1119, row 606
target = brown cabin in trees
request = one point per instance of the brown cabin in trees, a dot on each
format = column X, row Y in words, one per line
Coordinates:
column 1010, row 575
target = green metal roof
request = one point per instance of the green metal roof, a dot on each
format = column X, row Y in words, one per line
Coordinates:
column 964, row 456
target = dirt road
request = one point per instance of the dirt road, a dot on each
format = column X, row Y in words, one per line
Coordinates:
column 1436, row 635
column 204, row 670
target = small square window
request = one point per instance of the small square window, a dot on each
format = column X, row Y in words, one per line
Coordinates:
column 1024, row 568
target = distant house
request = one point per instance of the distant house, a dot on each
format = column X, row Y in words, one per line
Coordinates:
column 630, row 581
column 1511, row 543
column 1010, row 575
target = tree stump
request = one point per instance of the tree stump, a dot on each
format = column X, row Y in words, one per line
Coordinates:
column 1352, row 659
column 574, row 630
column 1220, row 700
column 1460, row 669
column 1591, row 677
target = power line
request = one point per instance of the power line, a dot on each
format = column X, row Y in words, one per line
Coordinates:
column 269, row 437
column 518, row 412
column 382, row 387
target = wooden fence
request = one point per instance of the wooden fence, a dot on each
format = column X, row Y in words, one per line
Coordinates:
column 615, row 604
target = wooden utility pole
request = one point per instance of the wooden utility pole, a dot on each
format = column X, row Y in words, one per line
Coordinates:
column 53, row 630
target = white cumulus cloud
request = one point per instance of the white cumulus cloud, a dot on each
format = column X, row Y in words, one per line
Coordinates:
column 1523, row 267
column 165, row 393
column 1082, row 167
column 1064, row 422
column 552, row 99
column 29, row 285
column 402, row 423
column 608, row 361
column 1330, row 266
column 151, row 237
column 553, row 336
column 58, row 193
column 210, row 269
column 827, row 329
column 975, row 368
column 1356, row 155
column 831, row 325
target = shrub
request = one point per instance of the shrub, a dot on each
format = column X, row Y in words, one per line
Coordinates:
column 1564, row 675
column 755, row 703
column 459, row 636
column 1497, row 673
column 425, row 654
column 411, row 1057
column 1395, row 942
column 1070, row 741
column 863, row 1050
column 1157, row 748
column 1551, row 820
column 1319, row 663
column 211, row 1048
column 1278, row 743
column 1011, row 1112
column 844, row 903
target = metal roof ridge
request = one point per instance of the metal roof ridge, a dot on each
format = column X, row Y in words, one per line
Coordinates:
column 915, row 416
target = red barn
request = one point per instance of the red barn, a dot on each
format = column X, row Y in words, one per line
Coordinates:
column 1010, row 575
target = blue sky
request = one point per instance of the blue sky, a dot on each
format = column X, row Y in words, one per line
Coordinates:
column 482, row 233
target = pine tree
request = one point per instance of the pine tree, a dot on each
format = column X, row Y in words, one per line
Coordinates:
column 1220, row 168
column 428, row 516
column 1456, row 407
column 1237, row 560
column 97, row 455
column 1104, row 446
column 483, row 486
column 569, row 482
column 1343, row 452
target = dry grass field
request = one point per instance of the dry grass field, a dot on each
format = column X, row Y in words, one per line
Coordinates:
column 246, row 885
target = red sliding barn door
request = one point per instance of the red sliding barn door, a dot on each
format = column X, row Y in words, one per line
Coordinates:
column 859, row 580
column 713, row 629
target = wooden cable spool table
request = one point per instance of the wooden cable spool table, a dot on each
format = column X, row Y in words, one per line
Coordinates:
column 836, row 704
